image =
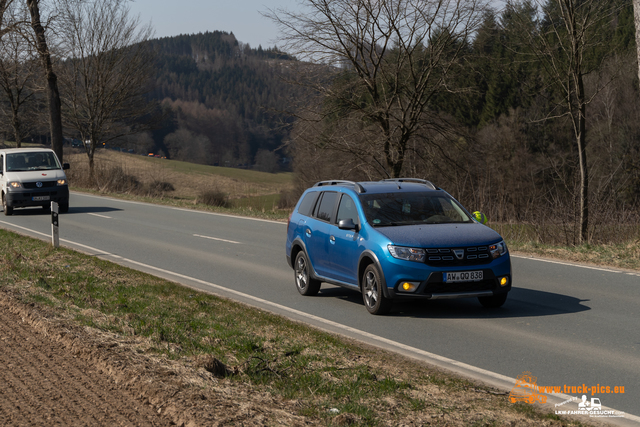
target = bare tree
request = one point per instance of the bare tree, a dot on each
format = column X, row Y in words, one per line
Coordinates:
column 106, row 72
column 563, row 43
column 636, row 19
column 18, row 68
column 390, row 59
column 6, row 26
column 53, row 95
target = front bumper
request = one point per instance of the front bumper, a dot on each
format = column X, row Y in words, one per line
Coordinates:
column 434, row 287
column 25, row 197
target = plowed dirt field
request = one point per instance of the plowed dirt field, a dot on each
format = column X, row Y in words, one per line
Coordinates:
column 54, row 373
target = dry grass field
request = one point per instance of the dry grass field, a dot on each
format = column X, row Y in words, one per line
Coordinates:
column 176, row 182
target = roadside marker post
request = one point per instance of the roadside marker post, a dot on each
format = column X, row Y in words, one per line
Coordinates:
column 54, row 225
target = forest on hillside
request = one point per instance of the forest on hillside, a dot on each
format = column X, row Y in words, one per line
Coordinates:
column 224, row 101
column 483, row 115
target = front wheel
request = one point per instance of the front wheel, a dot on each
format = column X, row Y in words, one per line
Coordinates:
column 372, row 293
column 63, row 207
column 494, row 301
column 8, row 210
column 305, row 284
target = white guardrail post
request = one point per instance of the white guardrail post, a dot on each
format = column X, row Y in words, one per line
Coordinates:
column 54, row 225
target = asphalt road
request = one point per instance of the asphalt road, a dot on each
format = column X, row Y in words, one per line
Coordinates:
column 566, row 324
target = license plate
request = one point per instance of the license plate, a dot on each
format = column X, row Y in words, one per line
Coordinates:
column 462, row 276
column 40, row 198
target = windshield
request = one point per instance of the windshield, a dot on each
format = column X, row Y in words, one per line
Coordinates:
column 44, row 160
column 411, row 208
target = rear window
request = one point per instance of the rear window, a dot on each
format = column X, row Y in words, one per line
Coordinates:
column 308, row 203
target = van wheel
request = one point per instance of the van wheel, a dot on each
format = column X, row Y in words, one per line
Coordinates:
column 8, row 210
column 494, row 301
column 304, row 283
column 63, row 207
column 372, row 293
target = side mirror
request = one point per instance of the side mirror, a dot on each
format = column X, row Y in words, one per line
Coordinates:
column 347, row 224
column 65, row 166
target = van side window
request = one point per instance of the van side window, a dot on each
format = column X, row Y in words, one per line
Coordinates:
column 308, row 203
column 326, row 205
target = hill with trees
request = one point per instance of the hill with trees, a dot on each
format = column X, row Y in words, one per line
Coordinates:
column 222, row 100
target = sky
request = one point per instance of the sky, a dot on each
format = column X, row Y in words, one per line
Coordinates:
column 242, row 17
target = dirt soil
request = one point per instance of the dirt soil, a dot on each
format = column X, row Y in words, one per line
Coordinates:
column 55, row 373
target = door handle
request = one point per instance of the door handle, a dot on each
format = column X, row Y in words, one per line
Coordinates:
column 332, row 239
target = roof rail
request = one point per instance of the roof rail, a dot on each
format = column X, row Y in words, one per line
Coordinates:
column 416, row 180
column 359, row 188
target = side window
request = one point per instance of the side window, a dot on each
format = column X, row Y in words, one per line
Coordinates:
column 347, row 209
column 308, row 203
column 326, row 205
column 1, row 163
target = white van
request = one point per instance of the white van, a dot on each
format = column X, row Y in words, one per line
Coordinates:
column 32, row 177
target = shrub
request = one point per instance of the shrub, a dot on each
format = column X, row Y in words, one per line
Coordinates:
column 213, row 198
column 116, row 180
column 158, row 188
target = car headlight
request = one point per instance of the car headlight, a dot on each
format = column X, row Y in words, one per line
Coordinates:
column 409, row 254
column 498, row 249
column 62, row 182
column 14, row 184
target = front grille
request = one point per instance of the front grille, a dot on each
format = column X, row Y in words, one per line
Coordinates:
column 45, row 184
column 446, row 257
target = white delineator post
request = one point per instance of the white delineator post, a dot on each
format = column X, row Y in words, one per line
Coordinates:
column 54, row 225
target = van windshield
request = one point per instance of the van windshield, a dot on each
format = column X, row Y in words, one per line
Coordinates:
column 411, row 208
column 30, row 161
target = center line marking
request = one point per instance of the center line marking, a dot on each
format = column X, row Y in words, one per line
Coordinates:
column 215, row 238
column 101, row 216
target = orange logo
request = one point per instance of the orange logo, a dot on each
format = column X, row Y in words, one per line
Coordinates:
column 526, row 390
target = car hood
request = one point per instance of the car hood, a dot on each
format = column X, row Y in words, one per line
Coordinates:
column 32, row 176
column 440, row 235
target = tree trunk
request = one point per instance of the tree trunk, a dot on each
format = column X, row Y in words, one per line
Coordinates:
column 16, row 130
column 636, row 18
column 584, row 178
column 53, row 96
column 581, row 136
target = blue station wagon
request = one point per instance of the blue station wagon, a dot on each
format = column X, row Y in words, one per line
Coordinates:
column 394, row 239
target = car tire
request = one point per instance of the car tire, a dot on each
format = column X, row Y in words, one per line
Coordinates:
column 305, row 284
column 372, row 293
column 8, row 210
column 64, row 207
column 494, row 301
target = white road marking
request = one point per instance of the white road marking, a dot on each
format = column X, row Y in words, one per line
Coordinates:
column 101, row 216
column 216, row 238
column 570, row 264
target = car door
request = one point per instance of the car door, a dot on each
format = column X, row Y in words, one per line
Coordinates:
column 318, row 231
column 344, row 249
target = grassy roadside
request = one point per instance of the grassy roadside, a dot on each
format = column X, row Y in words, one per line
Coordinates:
column 624, row 256
column 331, row 380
